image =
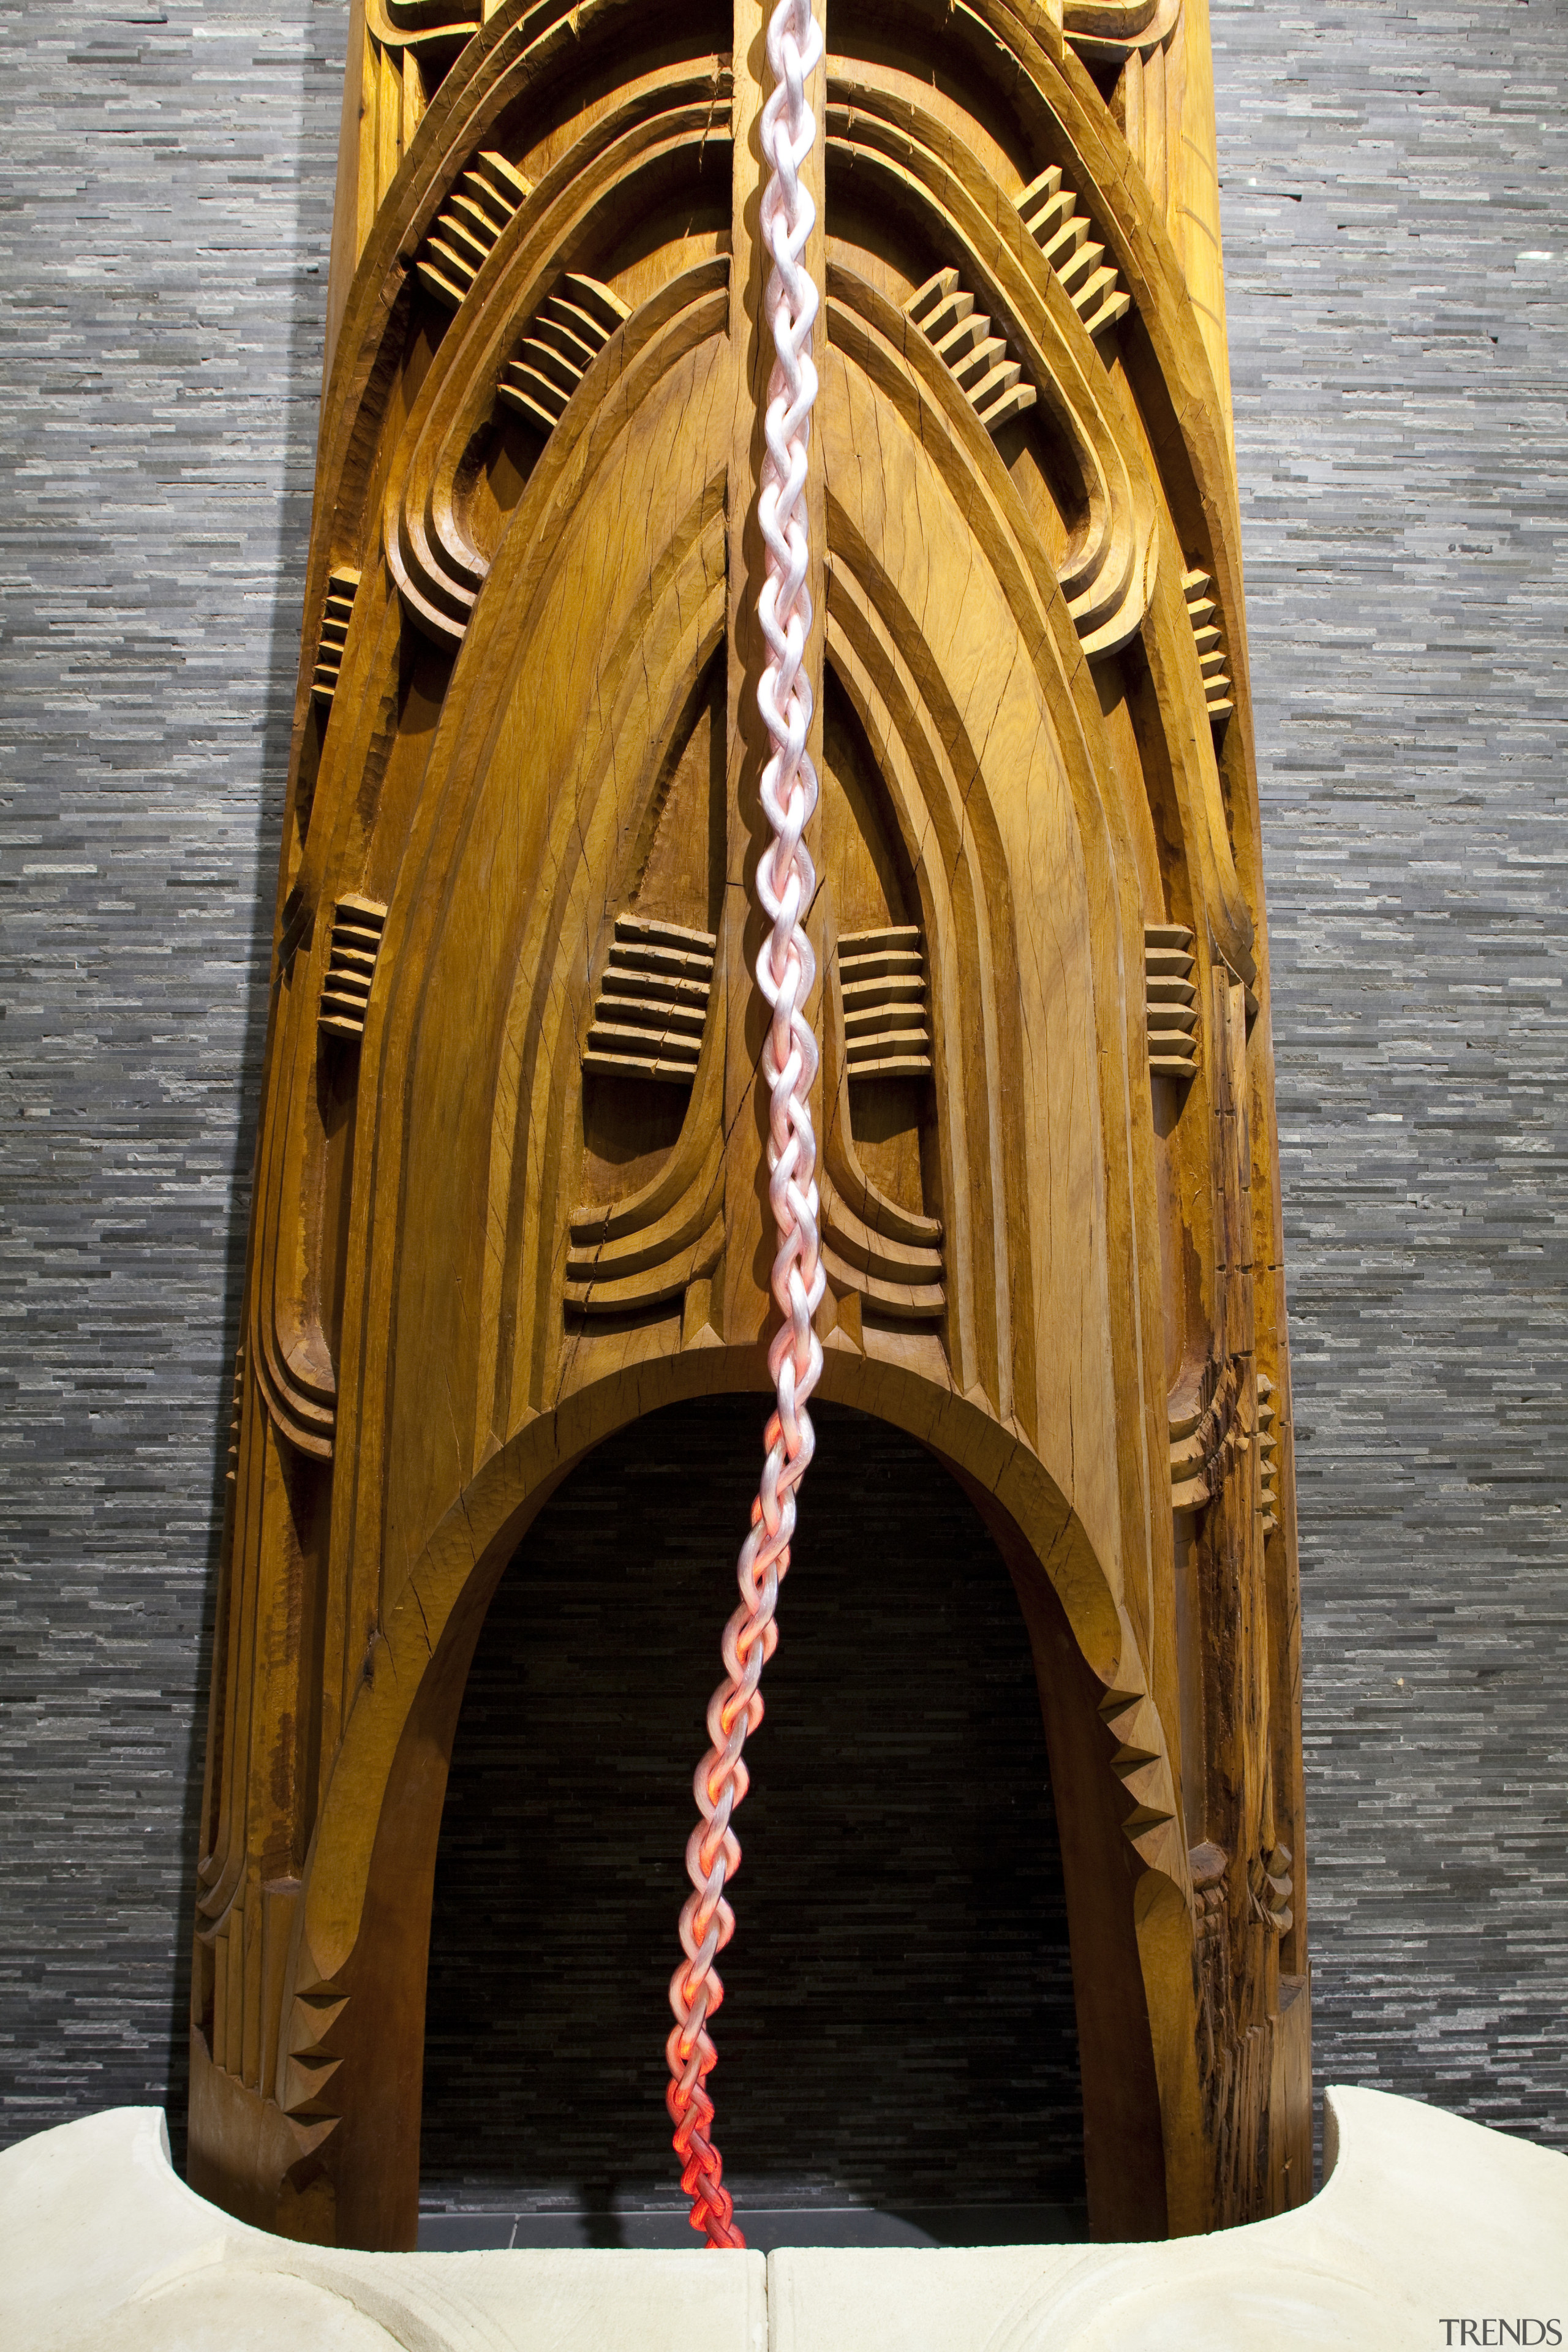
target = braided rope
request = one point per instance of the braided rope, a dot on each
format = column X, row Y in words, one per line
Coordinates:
column 785, row 970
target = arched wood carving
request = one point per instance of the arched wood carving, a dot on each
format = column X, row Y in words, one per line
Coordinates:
column 507, row 1185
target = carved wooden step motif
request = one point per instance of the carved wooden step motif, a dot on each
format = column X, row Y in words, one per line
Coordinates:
column 342, row 588
column 312, row 2062
column 1171, row 1001
column 962, row 336
column 565, row 335
column 887, row 1027
column 1204, row 614
column 356, row 943
column 1268, row 1455
column 463, row 1277
column 483, row 201
column 652, row 1005
column 1066, row 237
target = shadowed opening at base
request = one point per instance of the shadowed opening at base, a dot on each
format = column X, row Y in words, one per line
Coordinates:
column 897, row 2057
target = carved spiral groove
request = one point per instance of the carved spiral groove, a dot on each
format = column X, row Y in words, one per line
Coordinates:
column 786, row 970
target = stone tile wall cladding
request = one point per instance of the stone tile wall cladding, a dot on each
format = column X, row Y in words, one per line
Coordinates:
column 1395, row 213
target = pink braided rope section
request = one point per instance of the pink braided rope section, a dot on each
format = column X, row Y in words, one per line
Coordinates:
column 785, row 970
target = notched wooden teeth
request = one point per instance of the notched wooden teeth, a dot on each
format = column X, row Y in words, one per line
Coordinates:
column 1066, row 236
column 1272, row 1889
column 341, row 589
column 1268, row 1455
column 1171, row 999
column 882, row 980
column 357, row 929
column 564, row 336
column 484, row 199
column 1209, row 638
column 962, row 336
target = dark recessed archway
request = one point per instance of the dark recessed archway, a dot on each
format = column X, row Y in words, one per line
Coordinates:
column 897, row 2051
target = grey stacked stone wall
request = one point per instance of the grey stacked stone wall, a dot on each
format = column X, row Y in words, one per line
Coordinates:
column 1396, row 216
column 164, row 262
column 1396, row 206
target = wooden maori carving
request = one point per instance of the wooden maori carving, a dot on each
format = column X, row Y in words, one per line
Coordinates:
column 508, row 1191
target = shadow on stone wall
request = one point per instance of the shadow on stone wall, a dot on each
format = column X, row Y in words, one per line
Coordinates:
column 315, row 103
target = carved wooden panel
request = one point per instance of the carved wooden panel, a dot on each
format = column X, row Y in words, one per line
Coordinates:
column 508, row 1195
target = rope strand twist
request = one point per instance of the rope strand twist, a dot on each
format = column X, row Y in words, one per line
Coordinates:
column 786, row 970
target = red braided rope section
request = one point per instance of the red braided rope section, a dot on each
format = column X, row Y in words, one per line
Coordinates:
column 786, row 970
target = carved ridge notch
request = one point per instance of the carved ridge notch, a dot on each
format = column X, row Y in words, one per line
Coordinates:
column 886, row 1028
column 1268, row 1455
column 342, row 587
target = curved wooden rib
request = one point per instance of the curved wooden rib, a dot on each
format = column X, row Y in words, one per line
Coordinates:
column 1007, row 43
column 438, row 569
column 288, row 1349
column 294, row 1367
column 885, row 1272
column 969, row 930
column 939, row 425
column 522, row 53
column 1122, row 562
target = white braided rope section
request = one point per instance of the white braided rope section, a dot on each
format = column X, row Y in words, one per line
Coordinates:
column 785, row 970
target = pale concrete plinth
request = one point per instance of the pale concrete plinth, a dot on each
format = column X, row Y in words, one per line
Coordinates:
column 1424, row 2221
column 1423, row 2217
